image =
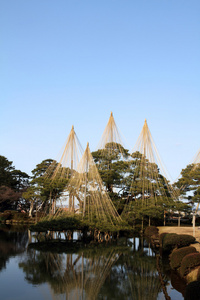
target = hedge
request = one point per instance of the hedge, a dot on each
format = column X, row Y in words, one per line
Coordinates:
column 189, row 262
column 60, row 224
column 161, row 237
column 173, row 240
column 178, row 254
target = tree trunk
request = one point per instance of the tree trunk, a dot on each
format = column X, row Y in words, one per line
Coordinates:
column 179, row 221
column 31, row 209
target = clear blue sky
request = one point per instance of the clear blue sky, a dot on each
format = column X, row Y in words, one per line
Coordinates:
column 67, row 63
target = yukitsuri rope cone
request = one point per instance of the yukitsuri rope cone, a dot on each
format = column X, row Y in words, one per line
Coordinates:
column 61, row 170
column 150, row 190
column 111, row 158
column 111, row 139
column 87, row 187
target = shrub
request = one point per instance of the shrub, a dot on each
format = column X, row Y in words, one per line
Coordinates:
column 169, row 241
column 18, row 216
column 189, row 262
column 13, row 215
column 151, row 230
column 185, row 240
column 161, row 237
column 178, row 254
column 57, row 224
column 6, row 215
column 173, row 240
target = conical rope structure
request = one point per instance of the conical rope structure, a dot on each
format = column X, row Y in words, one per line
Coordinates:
column 110, row 157
column 196, row 159
column 150, row 191
column 146, row 146
column 70, row 157
column 60, row 171
column 87, row 187
column 111, row 137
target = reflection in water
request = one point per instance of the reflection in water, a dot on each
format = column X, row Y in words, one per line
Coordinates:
column 143, row 276
column 95, row 272
column 13, row 241
column 177, row 283
column 126, row 270
column 78, row 275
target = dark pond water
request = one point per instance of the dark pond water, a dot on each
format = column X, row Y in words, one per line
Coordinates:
column 124, row 270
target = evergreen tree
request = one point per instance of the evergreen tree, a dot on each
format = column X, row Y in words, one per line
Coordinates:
column 189, row 184
column 149, row 193
column 48, row 183
column 12, row 183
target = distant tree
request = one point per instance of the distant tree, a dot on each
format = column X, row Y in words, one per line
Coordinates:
column 48, row 182
column 189, row 184
column 21, row 180
column 6, row 175
column 8, row 198
column 12, row 184
column 30, row 195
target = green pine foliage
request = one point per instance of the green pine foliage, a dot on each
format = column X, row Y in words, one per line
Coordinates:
column 190, row 182
column 59, row 223
column 75, row 222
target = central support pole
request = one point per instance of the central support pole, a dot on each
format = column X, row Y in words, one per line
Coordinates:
column 111, row 131
column 71, row 202
column 86, row 171
column 193, row 223
column 72, row 163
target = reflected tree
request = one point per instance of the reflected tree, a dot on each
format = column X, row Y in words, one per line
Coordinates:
column 103, row 272
column 12, row 243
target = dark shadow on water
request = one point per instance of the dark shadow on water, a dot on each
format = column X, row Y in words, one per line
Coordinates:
column 13, row 241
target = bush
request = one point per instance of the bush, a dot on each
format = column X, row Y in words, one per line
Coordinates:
column 6, row 215
column 161, row 237
column 13, row 215
column 189, row 262
column 178, row 254
column 173, row 240
column 151, row 230
column 57, row 224
column 169, row 241
column 18, row 216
